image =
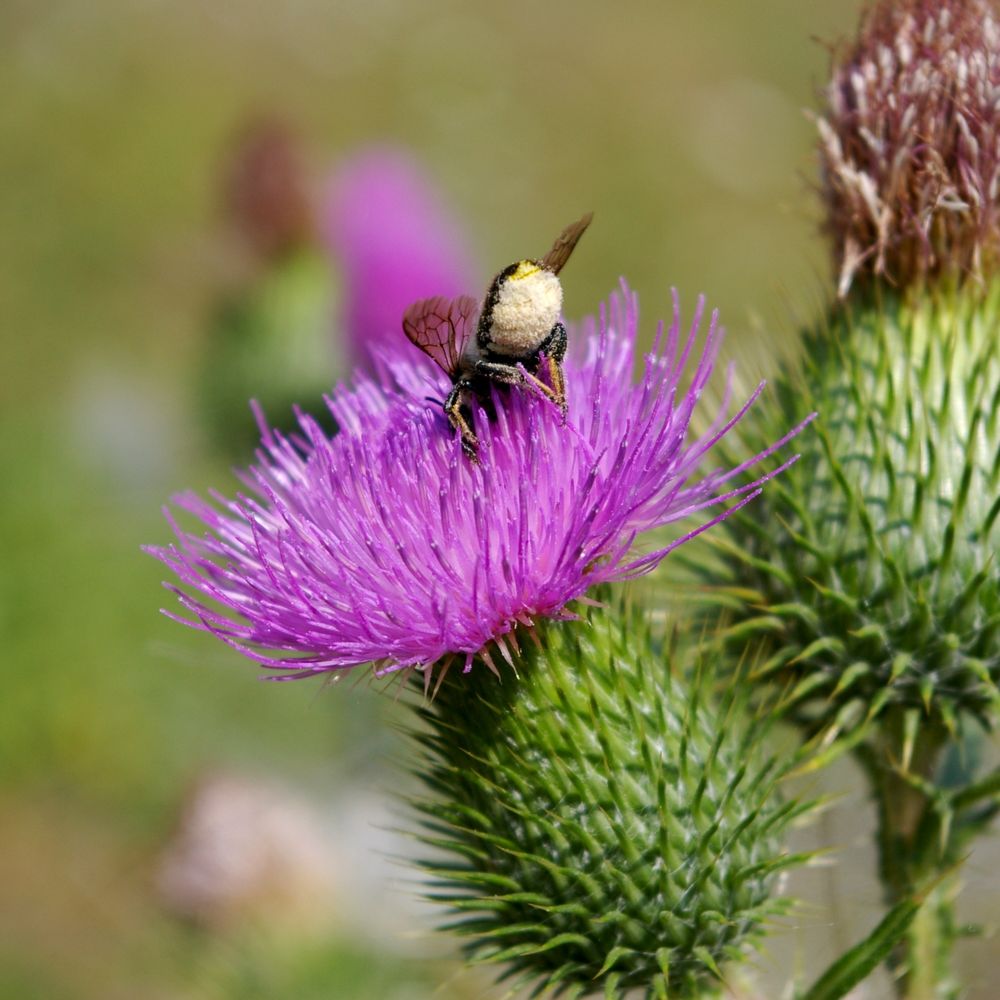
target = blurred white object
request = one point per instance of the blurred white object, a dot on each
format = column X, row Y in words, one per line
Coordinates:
column 248, row 849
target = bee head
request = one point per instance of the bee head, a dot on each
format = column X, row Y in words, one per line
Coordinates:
column 526, row 301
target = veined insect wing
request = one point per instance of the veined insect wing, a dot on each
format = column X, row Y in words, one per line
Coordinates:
column 441, row 328
column 556, row 258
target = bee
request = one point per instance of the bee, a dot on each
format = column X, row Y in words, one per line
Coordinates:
column 516, row 327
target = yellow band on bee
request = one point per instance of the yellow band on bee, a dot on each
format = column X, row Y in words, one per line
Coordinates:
column 525, row 269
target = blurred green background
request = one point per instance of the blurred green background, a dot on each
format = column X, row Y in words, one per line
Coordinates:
column 679, row 124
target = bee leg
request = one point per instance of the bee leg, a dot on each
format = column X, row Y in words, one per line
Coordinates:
column 453, row 411
column 554, row 347
column 511, row 375
column 496, row 371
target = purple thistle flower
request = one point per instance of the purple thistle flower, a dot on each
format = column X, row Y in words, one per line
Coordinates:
column 395, row 242
column 385, row 544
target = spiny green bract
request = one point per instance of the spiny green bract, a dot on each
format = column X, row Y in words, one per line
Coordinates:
column 870, row 567
column 599, row 825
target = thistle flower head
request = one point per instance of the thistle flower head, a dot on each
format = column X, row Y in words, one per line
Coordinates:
column 602, row 826
column 394, row 241
column 882, row 591
column 910, row 142
column 385, row 543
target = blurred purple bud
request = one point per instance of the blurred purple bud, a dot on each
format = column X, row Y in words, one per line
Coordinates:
column 394, row 242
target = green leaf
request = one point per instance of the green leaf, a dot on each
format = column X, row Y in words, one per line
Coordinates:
column 825, row 644
column 840, row 746
column 986, row 788
column 911, row 726
column 854, row 672
column 706, row 956
column 854, row 965
column 613, row 956
column 901, row 662
column 803, row 689
column 563, row 939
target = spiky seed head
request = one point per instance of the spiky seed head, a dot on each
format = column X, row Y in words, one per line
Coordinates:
column 910, row 142
column 872, row 568
column 596, row 824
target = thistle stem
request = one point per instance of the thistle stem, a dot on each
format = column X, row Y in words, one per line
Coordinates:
column 913, row 852
column 928, row 947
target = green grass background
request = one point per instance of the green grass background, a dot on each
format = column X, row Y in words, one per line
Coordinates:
column 680, row 124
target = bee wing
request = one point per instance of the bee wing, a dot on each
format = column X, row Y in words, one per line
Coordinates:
column 555, row 259
column 441, row 328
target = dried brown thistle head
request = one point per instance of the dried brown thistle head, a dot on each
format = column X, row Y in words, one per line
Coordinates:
column 266, row 188
column 910, row 143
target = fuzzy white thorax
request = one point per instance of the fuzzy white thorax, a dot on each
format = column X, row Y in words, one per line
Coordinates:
column 528, row 307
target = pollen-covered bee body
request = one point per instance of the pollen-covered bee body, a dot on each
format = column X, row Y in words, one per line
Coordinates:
column 517, row 326
column 521, row 308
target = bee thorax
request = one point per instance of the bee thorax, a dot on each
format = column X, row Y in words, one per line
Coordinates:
column 525, row 310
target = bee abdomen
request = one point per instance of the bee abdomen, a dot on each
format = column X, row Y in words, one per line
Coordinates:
column 523, row 305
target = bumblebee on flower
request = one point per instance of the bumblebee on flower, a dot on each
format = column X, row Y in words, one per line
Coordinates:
column 383, row 544
column 516, row 329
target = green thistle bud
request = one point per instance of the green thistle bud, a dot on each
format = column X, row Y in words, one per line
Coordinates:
column 872, row 563
column 270, row 336
column 884, row 590
column 269, row 341
column 870, row 571
column 601, row 825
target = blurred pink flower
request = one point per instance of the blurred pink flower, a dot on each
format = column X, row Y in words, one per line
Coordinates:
column 394, row 241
